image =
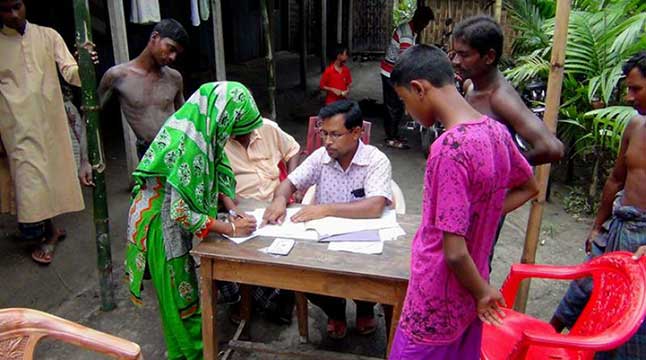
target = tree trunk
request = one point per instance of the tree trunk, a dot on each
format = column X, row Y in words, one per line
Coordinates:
column 91, row 108
column 594, row 184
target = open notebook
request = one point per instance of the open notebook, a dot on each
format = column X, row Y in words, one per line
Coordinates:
column 322, row 229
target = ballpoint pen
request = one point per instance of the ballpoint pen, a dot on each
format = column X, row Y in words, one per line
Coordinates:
column 234, row 214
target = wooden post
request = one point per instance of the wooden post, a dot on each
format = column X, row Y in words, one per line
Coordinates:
column 339, row 22
column 350, row 12
column 303, row 39
column 323, row 35
column 269, row 59
column 497, row 10
column 552, row 104
column 99, row 198
column 120, row 50
column 218, row 40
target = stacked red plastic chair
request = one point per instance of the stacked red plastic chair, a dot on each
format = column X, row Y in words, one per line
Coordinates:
column 613, row 314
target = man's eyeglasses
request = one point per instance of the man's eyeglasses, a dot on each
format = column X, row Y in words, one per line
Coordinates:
column 333, row 135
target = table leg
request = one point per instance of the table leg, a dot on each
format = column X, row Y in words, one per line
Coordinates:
column 208, row 303
column 394, row 321
column 245, row 302
column 388, row 317
column 301, row 316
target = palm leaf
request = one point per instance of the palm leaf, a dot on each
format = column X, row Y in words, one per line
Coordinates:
column 609, row 125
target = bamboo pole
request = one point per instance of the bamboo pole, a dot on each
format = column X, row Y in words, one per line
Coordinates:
column 90, row 105
column 120, row 49
column 269, row 59
column 552, row 104
column 323, row 35
column 218, row 40
column 339, row 22
column 350, row 25
column 303, row 40
column 497, row 10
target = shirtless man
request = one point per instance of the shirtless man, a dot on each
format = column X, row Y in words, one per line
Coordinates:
column 620, row 223
column 149, row 90
column 477, row 46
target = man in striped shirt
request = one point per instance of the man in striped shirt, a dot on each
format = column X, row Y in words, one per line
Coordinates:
column 403, row 38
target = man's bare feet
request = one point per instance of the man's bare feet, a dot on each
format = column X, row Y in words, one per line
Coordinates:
column 44, row 253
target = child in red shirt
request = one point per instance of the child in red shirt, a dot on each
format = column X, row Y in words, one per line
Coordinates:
column 336, row 79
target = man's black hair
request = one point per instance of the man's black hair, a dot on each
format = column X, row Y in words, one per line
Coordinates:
column 423, row 13
column 351, row 110
column 172, row 29
column 481, row 33
column 636, row 61
column 423, row 62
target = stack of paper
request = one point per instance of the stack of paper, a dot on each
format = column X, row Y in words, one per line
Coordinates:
column 360, row 247
column 329, row 229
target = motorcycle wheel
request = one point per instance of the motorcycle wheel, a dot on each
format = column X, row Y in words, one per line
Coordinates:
column 428, row 135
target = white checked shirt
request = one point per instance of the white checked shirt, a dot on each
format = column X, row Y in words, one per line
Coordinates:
column 368, row 175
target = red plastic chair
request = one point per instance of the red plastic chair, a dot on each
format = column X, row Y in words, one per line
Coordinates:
column 614, row 312
column 314, row 140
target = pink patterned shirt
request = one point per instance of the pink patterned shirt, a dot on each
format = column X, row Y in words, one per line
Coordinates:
column 368, row 175
column 467, row 176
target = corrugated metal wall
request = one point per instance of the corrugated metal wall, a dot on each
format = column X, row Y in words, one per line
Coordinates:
column 372, row 21
column 459, row 10
column 371, row 25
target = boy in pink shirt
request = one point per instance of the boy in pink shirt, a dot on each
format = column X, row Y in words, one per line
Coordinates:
column 474, row 175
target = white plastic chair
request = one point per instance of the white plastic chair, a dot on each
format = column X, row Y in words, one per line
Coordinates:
column 399, row 203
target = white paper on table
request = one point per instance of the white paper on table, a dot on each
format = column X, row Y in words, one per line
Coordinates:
column 391, row 233
column 361, row 247
column 321, row 228
column 332, row 225
column 287, row 229
column 281, row 246
column 240, row 240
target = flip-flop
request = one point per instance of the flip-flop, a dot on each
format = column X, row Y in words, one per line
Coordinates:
column 396, row 144
column 48, row 249
column 47, row 254
column 336, row 329
column 366, row 325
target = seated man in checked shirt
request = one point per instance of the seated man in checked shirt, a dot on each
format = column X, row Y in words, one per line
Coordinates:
column 352, row 181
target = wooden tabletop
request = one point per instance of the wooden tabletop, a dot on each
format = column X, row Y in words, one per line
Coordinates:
column 392, row 264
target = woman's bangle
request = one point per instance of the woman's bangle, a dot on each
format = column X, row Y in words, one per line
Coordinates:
column 233, row 227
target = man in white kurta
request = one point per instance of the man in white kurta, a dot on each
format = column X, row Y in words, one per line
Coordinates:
column 33, row 125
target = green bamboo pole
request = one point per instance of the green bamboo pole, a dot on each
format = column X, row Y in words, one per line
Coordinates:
column 91, row 108
column 269, row 58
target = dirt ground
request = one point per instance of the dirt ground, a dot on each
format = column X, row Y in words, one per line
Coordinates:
column 69, row 286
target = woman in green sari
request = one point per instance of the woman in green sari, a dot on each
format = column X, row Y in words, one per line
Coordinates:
column 178, row 183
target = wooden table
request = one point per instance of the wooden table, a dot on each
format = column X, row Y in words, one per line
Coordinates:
column 309, row 268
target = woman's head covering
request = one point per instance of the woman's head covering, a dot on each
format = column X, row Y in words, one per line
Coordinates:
column 189, row 152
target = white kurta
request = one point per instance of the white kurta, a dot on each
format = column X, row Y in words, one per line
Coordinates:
column 33, row 123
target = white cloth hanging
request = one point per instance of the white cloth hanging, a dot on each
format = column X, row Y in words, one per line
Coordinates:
column 144, row 11
column 195, row 13
column 204, row 10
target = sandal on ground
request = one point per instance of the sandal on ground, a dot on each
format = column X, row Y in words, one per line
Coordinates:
column 44, row 253
column 396, row 144
column 366, row 325
column 336, row 329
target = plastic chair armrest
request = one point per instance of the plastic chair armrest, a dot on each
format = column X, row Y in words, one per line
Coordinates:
column 520, row 272
column 600, row 342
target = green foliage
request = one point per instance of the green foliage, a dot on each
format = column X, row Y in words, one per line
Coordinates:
column 602, row 35
column 403, row 11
